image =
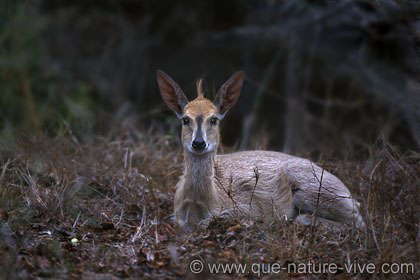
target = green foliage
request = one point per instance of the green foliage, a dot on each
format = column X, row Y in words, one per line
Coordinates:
column 32, row 96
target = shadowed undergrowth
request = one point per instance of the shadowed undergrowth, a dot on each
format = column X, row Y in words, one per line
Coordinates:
column 103, row 210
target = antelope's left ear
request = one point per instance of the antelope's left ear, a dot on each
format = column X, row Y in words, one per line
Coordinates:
column 229, row 93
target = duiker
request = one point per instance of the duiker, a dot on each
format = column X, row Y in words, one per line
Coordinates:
column 262, row 185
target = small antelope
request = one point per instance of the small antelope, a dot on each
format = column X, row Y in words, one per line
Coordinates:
column 262, row 185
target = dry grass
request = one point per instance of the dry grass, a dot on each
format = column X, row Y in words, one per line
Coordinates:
column 103, row 210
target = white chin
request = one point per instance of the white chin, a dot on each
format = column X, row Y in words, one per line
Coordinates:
column 207, row 150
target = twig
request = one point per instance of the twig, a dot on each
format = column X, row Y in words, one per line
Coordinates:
column 257, row 176
column 77, row 219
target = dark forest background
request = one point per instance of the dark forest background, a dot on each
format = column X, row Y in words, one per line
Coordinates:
column 321, row 75
column 90, row 155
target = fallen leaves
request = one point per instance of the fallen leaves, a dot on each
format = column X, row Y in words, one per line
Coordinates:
column 235, row 228
column 114, row 228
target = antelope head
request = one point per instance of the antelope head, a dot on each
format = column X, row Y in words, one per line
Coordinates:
column 200, row 117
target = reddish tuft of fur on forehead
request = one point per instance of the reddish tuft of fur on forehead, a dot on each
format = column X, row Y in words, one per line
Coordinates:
column 200, row 106
column 200, row 88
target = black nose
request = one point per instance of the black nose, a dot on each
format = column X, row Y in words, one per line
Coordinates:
column 199, row 144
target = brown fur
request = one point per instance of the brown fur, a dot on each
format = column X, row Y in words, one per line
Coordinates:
column 200, row 106
column 260, row 185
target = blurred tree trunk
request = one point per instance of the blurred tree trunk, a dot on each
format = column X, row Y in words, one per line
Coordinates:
column 294, row 118
column 414, row 117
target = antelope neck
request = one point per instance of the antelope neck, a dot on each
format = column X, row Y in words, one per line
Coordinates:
column 199, row 171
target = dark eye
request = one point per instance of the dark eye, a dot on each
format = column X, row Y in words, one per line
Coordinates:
column 213, row 121
column 185, row 121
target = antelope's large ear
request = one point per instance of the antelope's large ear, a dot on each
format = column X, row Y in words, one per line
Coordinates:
column 228, row 94
column 171, row 93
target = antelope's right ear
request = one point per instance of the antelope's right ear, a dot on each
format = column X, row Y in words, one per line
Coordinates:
column 171, row 93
